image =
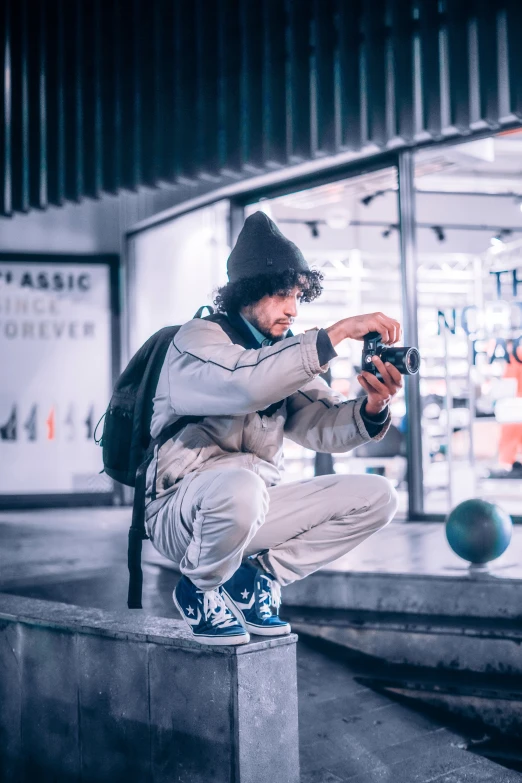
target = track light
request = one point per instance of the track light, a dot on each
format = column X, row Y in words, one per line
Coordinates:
column 498, row 240
column 367, row 200
column 314, row 229
column 387, row 231
column 439, row 233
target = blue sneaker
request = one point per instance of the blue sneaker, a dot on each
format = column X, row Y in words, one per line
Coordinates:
column 254, row 597
column 207, row 615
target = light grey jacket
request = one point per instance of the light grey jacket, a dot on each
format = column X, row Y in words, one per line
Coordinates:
column 205, row 374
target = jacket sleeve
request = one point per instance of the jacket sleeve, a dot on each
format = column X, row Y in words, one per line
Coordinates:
column 320, row 419
column 208, row 375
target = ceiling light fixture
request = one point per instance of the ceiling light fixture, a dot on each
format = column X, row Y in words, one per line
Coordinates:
column 338, row 218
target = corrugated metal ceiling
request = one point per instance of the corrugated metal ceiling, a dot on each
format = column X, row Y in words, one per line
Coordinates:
column 104, row 95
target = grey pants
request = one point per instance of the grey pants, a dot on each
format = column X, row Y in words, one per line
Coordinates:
column 218, row 517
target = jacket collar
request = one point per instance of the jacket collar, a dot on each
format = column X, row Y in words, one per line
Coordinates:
column 247, row 336
column 261, row 339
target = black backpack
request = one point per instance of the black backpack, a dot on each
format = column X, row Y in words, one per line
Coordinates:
column 126, row 429
column 126, row 440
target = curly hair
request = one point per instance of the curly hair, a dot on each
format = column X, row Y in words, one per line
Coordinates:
column 232, row 297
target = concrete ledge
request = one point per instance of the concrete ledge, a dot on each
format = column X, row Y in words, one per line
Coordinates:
column 96, row 696
column 454, row 596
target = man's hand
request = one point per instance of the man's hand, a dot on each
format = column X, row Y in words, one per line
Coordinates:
column 380, row 393
column 359, row 325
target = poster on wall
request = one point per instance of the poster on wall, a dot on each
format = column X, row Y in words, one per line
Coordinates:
column 55, row 354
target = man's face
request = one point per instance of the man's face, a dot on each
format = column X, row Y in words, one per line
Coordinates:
column 274, row 315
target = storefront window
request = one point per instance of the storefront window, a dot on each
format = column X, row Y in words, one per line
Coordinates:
column 348, row 230
column 174, row 268
column 469, row 250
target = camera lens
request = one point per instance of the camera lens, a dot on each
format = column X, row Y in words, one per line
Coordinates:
column 406, row 360
column 412, row 361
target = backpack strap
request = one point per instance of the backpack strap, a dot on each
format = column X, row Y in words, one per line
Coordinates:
column 137, row 532
column 199, row 313
column 136, row 535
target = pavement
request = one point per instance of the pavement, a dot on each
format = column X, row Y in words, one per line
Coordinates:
column 348, row 732
column 351, row 733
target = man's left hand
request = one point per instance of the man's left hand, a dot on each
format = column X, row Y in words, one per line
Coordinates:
column 380, row 393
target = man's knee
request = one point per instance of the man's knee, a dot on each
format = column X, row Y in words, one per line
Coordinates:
column 385, row 500
column 245, row 497
column 391, row 502
column 376, row 492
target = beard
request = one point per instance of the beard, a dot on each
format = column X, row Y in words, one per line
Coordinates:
column 267, row 329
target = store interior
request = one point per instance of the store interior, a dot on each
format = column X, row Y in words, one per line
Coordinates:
column 468, row 249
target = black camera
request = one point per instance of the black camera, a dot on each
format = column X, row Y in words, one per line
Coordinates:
column 406, row 360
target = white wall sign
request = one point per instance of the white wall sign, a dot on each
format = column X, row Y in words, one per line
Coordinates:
column 55, row 355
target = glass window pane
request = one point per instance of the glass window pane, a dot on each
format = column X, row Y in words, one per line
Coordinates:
column 174, row 269
column 469, row 248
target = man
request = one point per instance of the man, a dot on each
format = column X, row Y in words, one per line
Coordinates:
column 214, row 503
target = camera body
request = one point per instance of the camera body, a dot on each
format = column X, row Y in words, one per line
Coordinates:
column 406, row 360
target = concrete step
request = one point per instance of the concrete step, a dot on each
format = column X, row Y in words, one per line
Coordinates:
column 479, row 702
column 120, row 696
column 494, row 703
column 442, row 643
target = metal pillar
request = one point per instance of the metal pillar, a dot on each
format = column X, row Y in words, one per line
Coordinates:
column 235, row 223
column 411, row 333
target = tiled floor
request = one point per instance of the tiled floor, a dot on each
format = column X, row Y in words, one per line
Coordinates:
column 40, row 542
column 422, row 548
column 347, row 732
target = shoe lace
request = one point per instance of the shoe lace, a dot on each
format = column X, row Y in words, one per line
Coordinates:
column 269, row 595
column 216, row 610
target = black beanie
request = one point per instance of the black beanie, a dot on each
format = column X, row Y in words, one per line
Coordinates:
column 261, row 249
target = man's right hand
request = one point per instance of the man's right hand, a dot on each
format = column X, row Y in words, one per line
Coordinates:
column 358, row 326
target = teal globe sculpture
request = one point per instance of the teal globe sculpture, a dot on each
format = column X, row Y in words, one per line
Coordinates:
column 478, row 531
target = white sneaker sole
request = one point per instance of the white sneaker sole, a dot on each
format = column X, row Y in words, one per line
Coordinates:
column 214, row 641
column 238, row 614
